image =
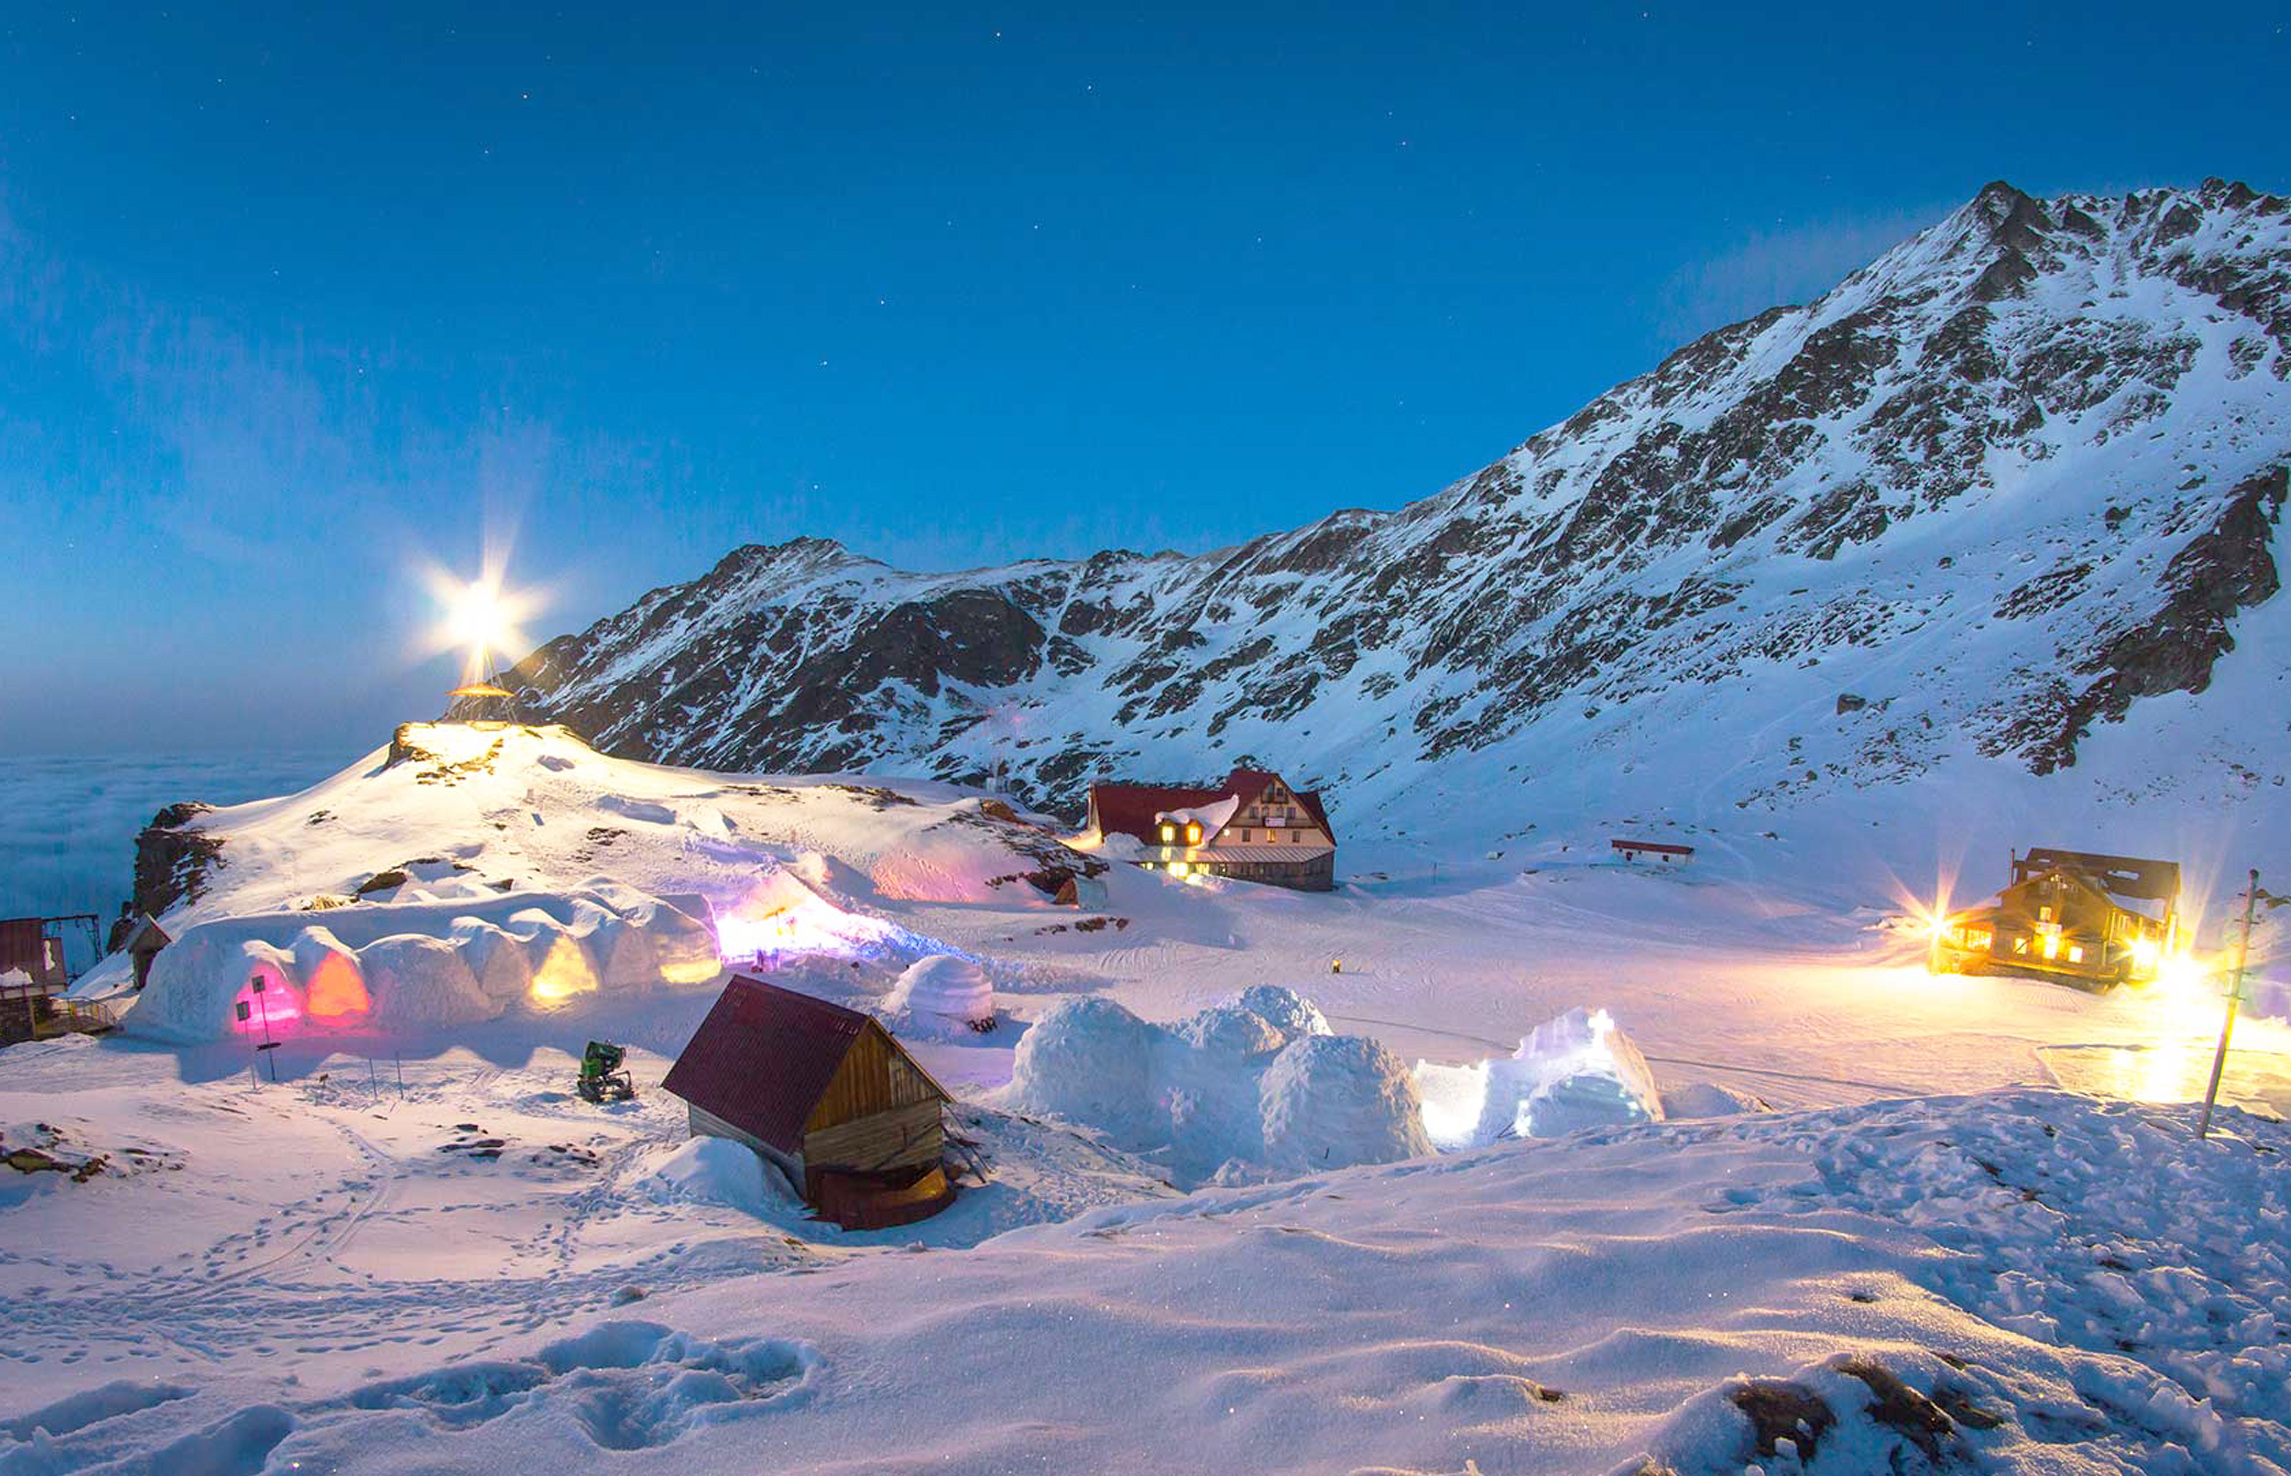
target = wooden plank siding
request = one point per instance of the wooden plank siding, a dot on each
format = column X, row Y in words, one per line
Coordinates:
column 896, row 1138
column 875, row 1076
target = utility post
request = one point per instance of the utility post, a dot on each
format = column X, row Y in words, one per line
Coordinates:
column 2234, row 998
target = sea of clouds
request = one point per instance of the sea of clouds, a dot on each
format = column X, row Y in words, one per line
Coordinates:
column 68, row 823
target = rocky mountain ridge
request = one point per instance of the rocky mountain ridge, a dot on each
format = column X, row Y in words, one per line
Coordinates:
column 2019, row 474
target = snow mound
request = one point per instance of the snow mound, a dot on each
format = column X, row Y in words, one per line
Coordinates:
column 1331, row 1100
column 409, row 965
column 941, row 990
column 1224, row 1092
column 1228, row 1034
column 1577, row 1071
column 1091, row 1061
column 717, row 1171
column 1285, row 1010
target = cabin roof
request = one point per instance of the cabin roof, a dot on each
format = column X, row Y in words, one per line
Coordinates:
column 1665, row 848
column 1124, row 808
column 764, row 1056
column 148, row 936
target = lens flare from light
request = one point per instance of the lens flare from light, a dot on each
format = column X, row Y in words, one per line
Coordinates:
column 482, row 618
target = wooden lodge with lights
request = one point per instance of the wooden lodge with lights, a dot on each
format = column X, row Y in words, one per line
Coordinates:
column 2078, row 916
column 1253, row 827
column 825, row 1096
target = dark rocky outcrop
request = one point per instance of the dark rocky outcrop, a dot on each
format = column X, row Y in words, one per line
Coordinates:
column 173, row 859
column 2222, row 570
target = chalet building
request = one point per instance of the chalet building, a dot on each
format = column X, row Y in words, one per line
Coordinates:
column 1253, row 827
column 824, row 1095
column 1662, row 851
column 26, row 948
column 33, row 977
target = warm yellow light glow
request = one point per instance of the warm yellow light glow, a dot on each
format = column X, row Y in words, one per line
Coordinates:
column 2051, row 946
column 693, row 970
column 2181, row 971
column 2145, row 953
column 566, row 972
column 1178, row 868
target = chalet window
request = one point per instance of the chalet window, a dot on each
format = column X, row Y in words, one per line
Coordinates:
column 1168, row 833
column 1193, row 835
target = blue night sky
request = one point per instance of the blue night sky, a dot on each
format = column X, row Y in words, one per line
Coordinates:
column 291, row 304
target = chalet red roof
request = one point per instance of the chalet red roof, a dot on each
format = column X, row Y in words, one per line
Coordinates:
column 1129, row 809
column 764, row 1057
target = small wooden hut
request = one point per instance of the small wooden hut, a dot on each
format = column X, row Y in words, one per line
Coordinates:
column 143, row 944
column 823, row 1094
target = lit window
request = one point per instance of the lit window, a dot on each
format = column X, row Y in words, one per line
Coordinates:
column 1168, row 834
column 2052, row 945
column 2075, row 953
column 1178, row 868
column 2044, row 914
column 1193, row 835
column 2020, row 945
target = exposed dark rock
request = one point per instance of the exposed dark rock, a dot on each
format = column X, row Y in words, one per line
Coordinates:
column 2217, row 573
column 173, row 859
column 1848, row 702
column 1903, row 1410
column 1781, row 1409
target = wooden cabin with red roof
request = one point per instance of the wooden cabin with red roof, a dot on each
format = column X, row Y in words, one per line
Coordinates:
column 824, row 1095
column 1253, row 827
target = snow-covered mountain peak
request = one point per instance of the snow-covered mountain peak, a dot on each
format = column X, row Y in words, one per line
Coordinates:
column 2015, row 476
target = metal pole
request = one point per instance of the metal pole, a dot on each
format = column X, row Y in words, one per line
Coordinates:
column 2234, row 998
column 265, row 1001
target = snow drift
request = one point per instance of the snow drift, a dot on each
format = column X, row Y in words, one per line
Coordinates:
column 408, row 965
column 1230, row 1091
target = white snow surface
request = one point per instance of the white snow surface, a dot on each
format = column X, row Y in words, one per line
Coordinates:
column 486, row 1272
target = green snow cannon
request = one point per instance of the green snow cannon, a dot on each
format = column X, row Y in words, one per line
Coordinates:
column 602, row 1079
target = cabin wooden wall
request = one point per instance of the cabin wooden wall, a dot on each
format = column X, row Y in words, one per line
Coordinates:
column 874, row 1077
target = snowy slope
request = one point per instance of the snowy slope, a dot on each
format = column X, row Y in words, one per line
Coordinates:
column 460, row 810
column 2025, row 1282
column 1976, row 512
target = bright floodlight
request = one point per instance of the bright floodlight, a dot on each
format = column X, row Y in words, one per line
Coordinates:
column 478, row 620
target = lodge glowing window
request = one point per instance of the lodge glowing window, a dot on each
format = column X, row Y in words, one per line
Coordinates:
column 1193, row 835
column 1168, row 833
